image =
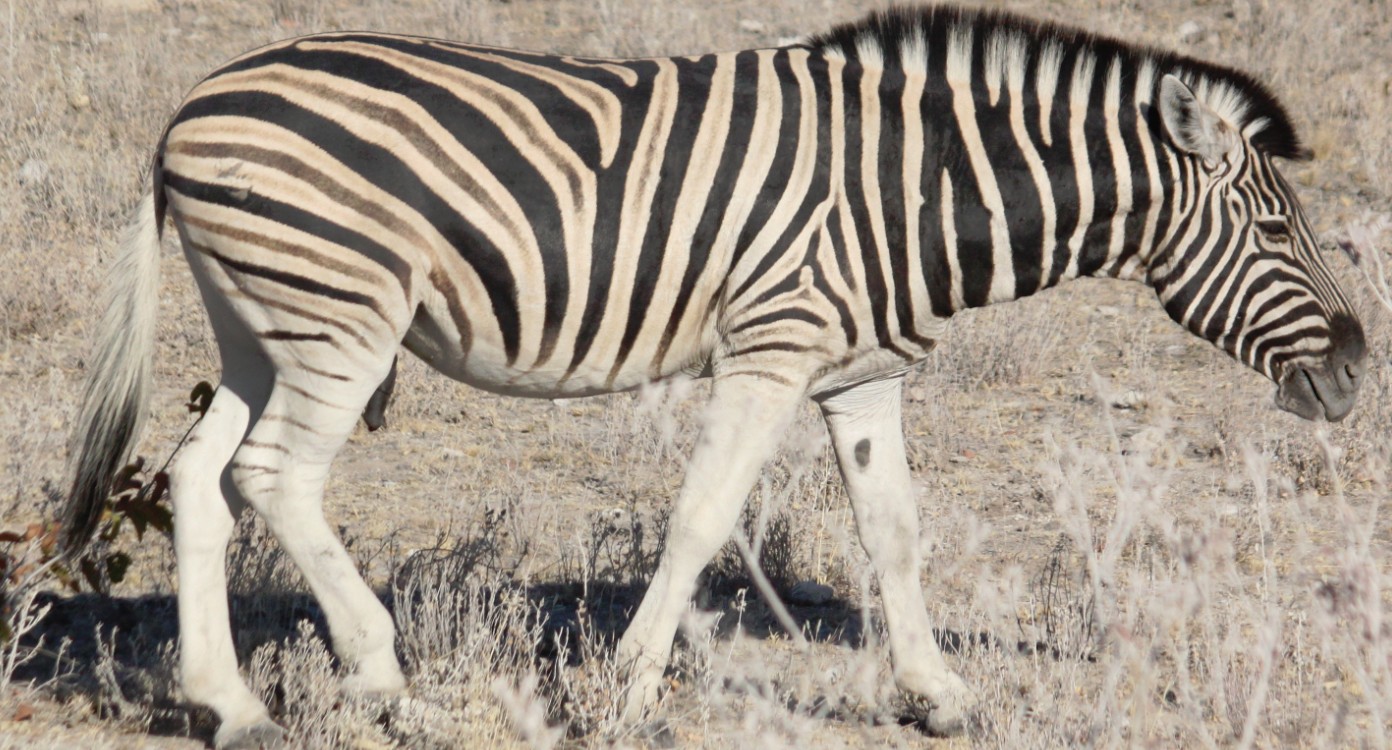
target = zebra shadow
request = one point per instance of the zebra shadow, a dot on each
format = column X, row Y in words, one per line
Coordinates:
column 118, row 654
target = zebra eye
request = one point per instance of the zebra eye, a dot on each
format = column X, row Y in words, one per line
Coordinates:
column 1275, row 230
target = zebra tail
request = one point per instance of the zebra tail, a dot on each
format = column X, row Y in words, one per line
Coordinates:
column 118, row 381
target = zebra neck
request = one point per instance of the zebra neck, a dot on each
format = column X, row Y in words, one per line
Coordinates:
column 993, row 193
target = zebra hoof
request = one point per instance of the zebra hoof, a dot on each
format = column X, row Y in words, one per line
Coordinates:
column 263, row 735
column 376, row 684
column 943, row 714
column 642, row 699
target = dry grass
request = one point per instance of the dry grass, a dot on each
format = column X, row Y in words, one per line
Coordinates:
column 1125, row 544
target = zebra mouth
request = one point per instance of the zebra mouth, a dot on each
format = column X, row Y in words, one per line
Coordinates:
column 1327, row 387
column 1314, row 392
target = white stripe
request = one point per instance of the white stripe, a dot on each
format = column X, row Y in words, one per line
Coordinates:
column 997, row 47
column 694, row 195
column 1145, row 83
column 964, row 107
column 873, row 210
column 640, row 187
column 1048, row 72
column 1121, row 164
column 1078, row 91
column 949, row 230
column 911, row 102
column 1016, row 84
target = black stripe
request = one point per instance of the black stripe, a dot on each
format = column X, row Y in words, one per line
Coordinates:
column 252, row 202
column 1217, row 305
column 1061, row 163
column 299, row 169
column 693, row 95
column 295, row 281
column 858, row 219
column 782, row 315
column 937, row 274
column 506, row 163
column 835, row 235
column 381, row 167
column 611, row 187
column 1291, row 343
column 280, row 335
column 819, row 184
column 744, row 107
column 891, row 176
column 1188, row 253
column 769, row 346
column 1133, row 228
column 785, row 154
column 1309, row 309
column 843, row 310
column 564, row 118
column 1096, row 245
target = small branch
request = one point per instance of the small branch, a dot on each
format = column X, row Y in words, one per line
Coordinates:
column 770, row 596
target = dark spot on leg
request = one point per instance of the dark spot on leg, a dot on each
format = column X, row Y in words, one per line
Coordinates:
column 862, row 452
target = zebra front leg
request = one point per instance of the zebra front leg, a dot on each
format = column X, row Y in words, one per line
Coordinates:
column 867, row 434
column 281, row 469
column 742, row 425
column 205, row 509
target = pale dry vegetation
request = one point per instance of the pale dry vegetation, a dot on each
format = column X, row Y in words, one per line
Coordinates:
column 1125, row 544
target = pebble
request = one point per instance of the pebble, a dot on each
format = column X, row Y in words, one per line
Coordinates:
column 33, row 172
column 1191, row 32
column 1129, row 400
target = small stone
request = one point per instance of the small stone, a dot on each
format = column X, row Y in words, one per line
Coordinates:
column 1108, row 311
column 33, row 172
column 78, row 96
column 1190, row 32
column 811, row 593
column 752, row 26
column 1129, row 400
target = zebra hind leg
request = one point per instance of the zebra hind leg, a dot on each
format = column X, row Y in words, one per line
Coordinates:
column 281, row 469
column 867, row 435
column 205, row 509
column 741, row 427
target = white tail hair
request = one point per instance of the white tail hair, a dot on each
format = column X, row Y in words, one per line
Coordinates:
column 118, row 377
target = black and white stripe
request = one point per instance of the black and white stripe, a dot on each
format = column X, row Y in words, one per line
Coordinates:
column 798, row 221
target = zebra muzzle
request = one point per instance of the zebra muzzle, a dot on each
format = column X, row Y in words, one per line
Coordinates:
column 1328, row 388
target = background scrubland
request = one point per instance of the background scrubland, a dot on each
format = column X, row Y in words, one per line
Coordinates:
column 1125, row 544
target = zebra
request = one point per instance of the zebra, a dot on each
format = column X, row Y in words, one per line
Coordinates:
column 794, row 222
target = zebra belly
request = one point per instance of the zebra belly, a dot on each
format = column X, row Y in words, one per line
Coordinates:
column 484, row 364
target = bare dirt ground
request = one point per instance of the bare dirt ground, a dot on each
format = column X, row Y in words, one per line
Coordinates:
column 1125, row 543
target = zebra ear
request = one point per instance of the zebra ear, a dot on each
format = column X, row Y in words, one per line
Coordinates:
column 1192, row 125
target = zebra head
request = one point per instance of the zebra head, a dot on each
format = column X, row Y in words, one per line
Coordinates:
column 1241, row 265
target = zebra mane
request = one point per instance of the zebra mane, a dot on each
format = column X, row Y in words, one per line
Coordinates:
column 1009, row 44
